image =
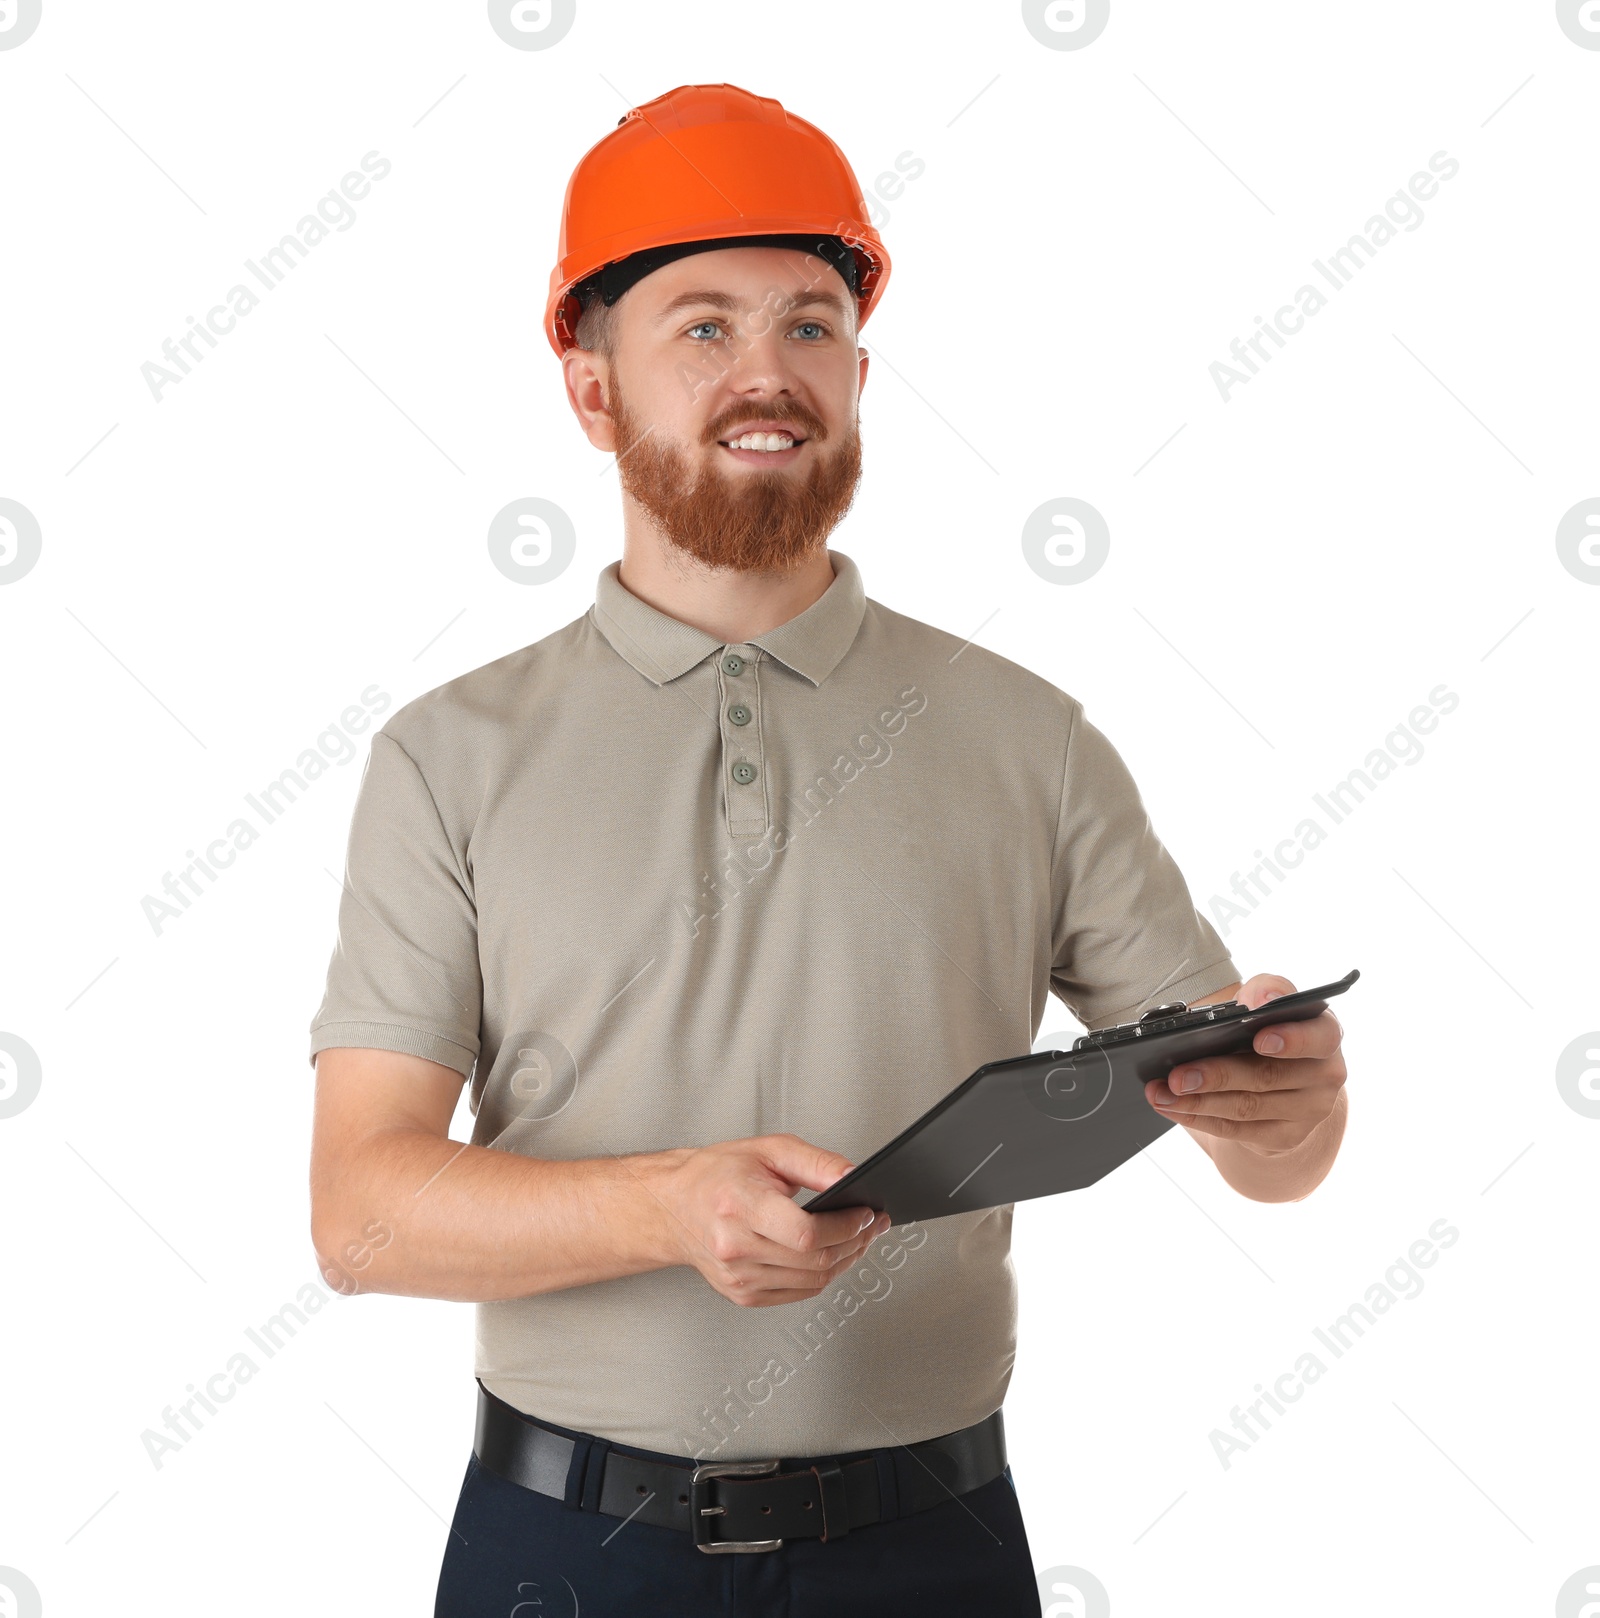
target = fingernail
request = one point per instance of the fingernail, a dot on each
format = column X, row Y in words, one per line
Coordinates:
column 1270, row 1043
column 1188, row 1079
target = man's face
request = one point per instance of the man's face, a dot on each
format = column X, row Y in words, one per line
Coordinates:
column 718, row 345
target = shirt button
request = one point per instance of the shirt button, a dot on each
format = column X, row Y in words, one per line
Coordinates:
column 744, row 772
column 739, row 714
column 733, row 664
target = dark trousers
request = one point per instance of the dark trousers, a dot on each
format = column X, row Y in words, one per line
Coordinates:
column 515, row 1553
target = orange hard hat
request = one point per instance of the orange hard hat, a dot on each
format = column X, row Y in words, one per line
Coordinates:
column 701, row 166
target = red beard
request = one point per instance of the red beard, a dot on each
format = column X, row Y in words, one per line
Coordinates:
column 741, row 518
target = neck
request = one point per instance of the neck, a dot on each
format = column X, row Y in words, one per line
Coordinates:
column 729, row 605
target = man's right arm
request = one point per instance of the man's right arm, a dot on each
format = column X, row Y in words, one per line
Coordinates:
column 397, row 1206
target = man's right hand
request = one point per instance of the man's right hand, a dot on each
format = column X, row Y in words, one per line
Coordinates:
column 397, row 1206
column 733, row 1218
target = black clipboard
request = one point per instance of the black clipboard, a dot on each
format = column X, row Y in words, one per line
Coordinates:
column 1033, row 1126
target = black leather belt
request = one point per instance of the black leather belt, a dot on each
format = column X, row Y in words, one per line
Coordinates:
column 738, row 1505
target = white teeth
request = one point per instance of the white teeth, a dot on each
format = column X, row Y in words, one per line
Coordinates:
column 762, row 441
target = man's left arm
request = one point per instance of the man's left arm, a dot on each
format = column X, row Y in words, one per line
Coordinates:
column 1270, row 1118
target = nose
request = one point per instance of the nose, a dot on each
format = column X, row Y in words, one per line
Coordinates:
column 763, row 364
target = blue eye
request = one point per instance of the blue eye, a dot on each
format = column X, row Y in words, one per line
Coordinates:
column 816, row 325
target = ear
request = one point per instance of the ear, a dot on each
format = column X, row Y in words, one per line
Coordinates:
column 587, row 376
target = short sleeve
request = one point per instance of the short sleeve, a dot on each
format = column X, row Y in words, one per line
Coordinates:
column 404, row 974
column 1125, row 931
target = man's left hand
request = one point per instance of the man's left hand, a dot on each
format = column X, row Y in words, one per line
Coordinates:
column 1269, row 1099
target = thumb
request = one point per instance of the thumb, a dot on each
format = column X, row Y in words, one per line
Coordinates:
column 1264, row 986
column 802, row 1164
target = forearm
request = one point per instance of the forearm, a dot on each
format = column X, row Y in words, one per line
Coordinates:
column 421, row 1215
column 1287, row 1176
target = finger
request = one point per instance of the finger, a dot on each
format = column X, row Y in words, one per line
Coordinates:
column 801, row 1163
column 797, row 1163
column 781, row 1219
column 838, row 1256
column 770, row 1300
column 775, row 1278
column 1227, row 1073
column 1243, row 1106
column 758, row 1280
column 764, row 1250
column 1316, row 1036
column 1274, row 1136
column 1262, row 987
column 1247, row 1072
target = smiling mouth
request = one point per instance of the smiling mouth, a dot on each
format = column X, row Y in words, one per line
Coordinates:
column 765, row 457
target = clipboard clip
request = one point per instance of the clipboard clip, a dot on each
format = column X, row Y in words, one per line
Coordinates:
column 1177, row 1015
column 1161, row 1019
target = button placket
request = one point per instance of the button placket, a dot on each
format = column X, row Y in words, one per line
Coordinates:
column 744, row 763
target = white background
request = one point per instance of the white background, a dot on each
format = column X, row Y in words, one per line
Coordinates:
column 1372, row 516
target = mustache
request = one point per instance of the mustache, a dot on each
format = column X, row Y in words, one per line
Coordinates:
column 809, row 426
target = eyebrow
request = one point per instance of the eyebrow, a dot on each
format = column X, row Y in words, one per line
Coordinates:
column 730, row 305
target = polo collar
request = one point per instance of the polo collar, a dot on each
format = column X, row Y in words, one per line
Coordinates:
column 661, row 647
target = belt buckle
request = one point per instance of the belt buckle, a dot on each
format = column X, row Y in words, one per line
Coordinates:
column 700, row 1507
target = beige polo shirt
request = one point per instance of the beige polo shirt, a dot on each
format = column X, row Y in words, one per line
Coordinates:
column 647, row 889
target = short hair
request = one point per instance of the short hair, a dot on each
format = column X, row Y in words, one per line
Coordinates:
column 596, row 330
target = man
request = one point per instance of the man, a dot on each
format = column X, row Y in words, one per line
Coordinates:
column 711, row 892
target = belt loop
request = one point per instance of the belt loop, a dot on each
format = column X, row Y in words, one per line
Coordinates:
column 594, row 1473
column 888, row 1488
column 573, row 1498
column 835, row 1501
